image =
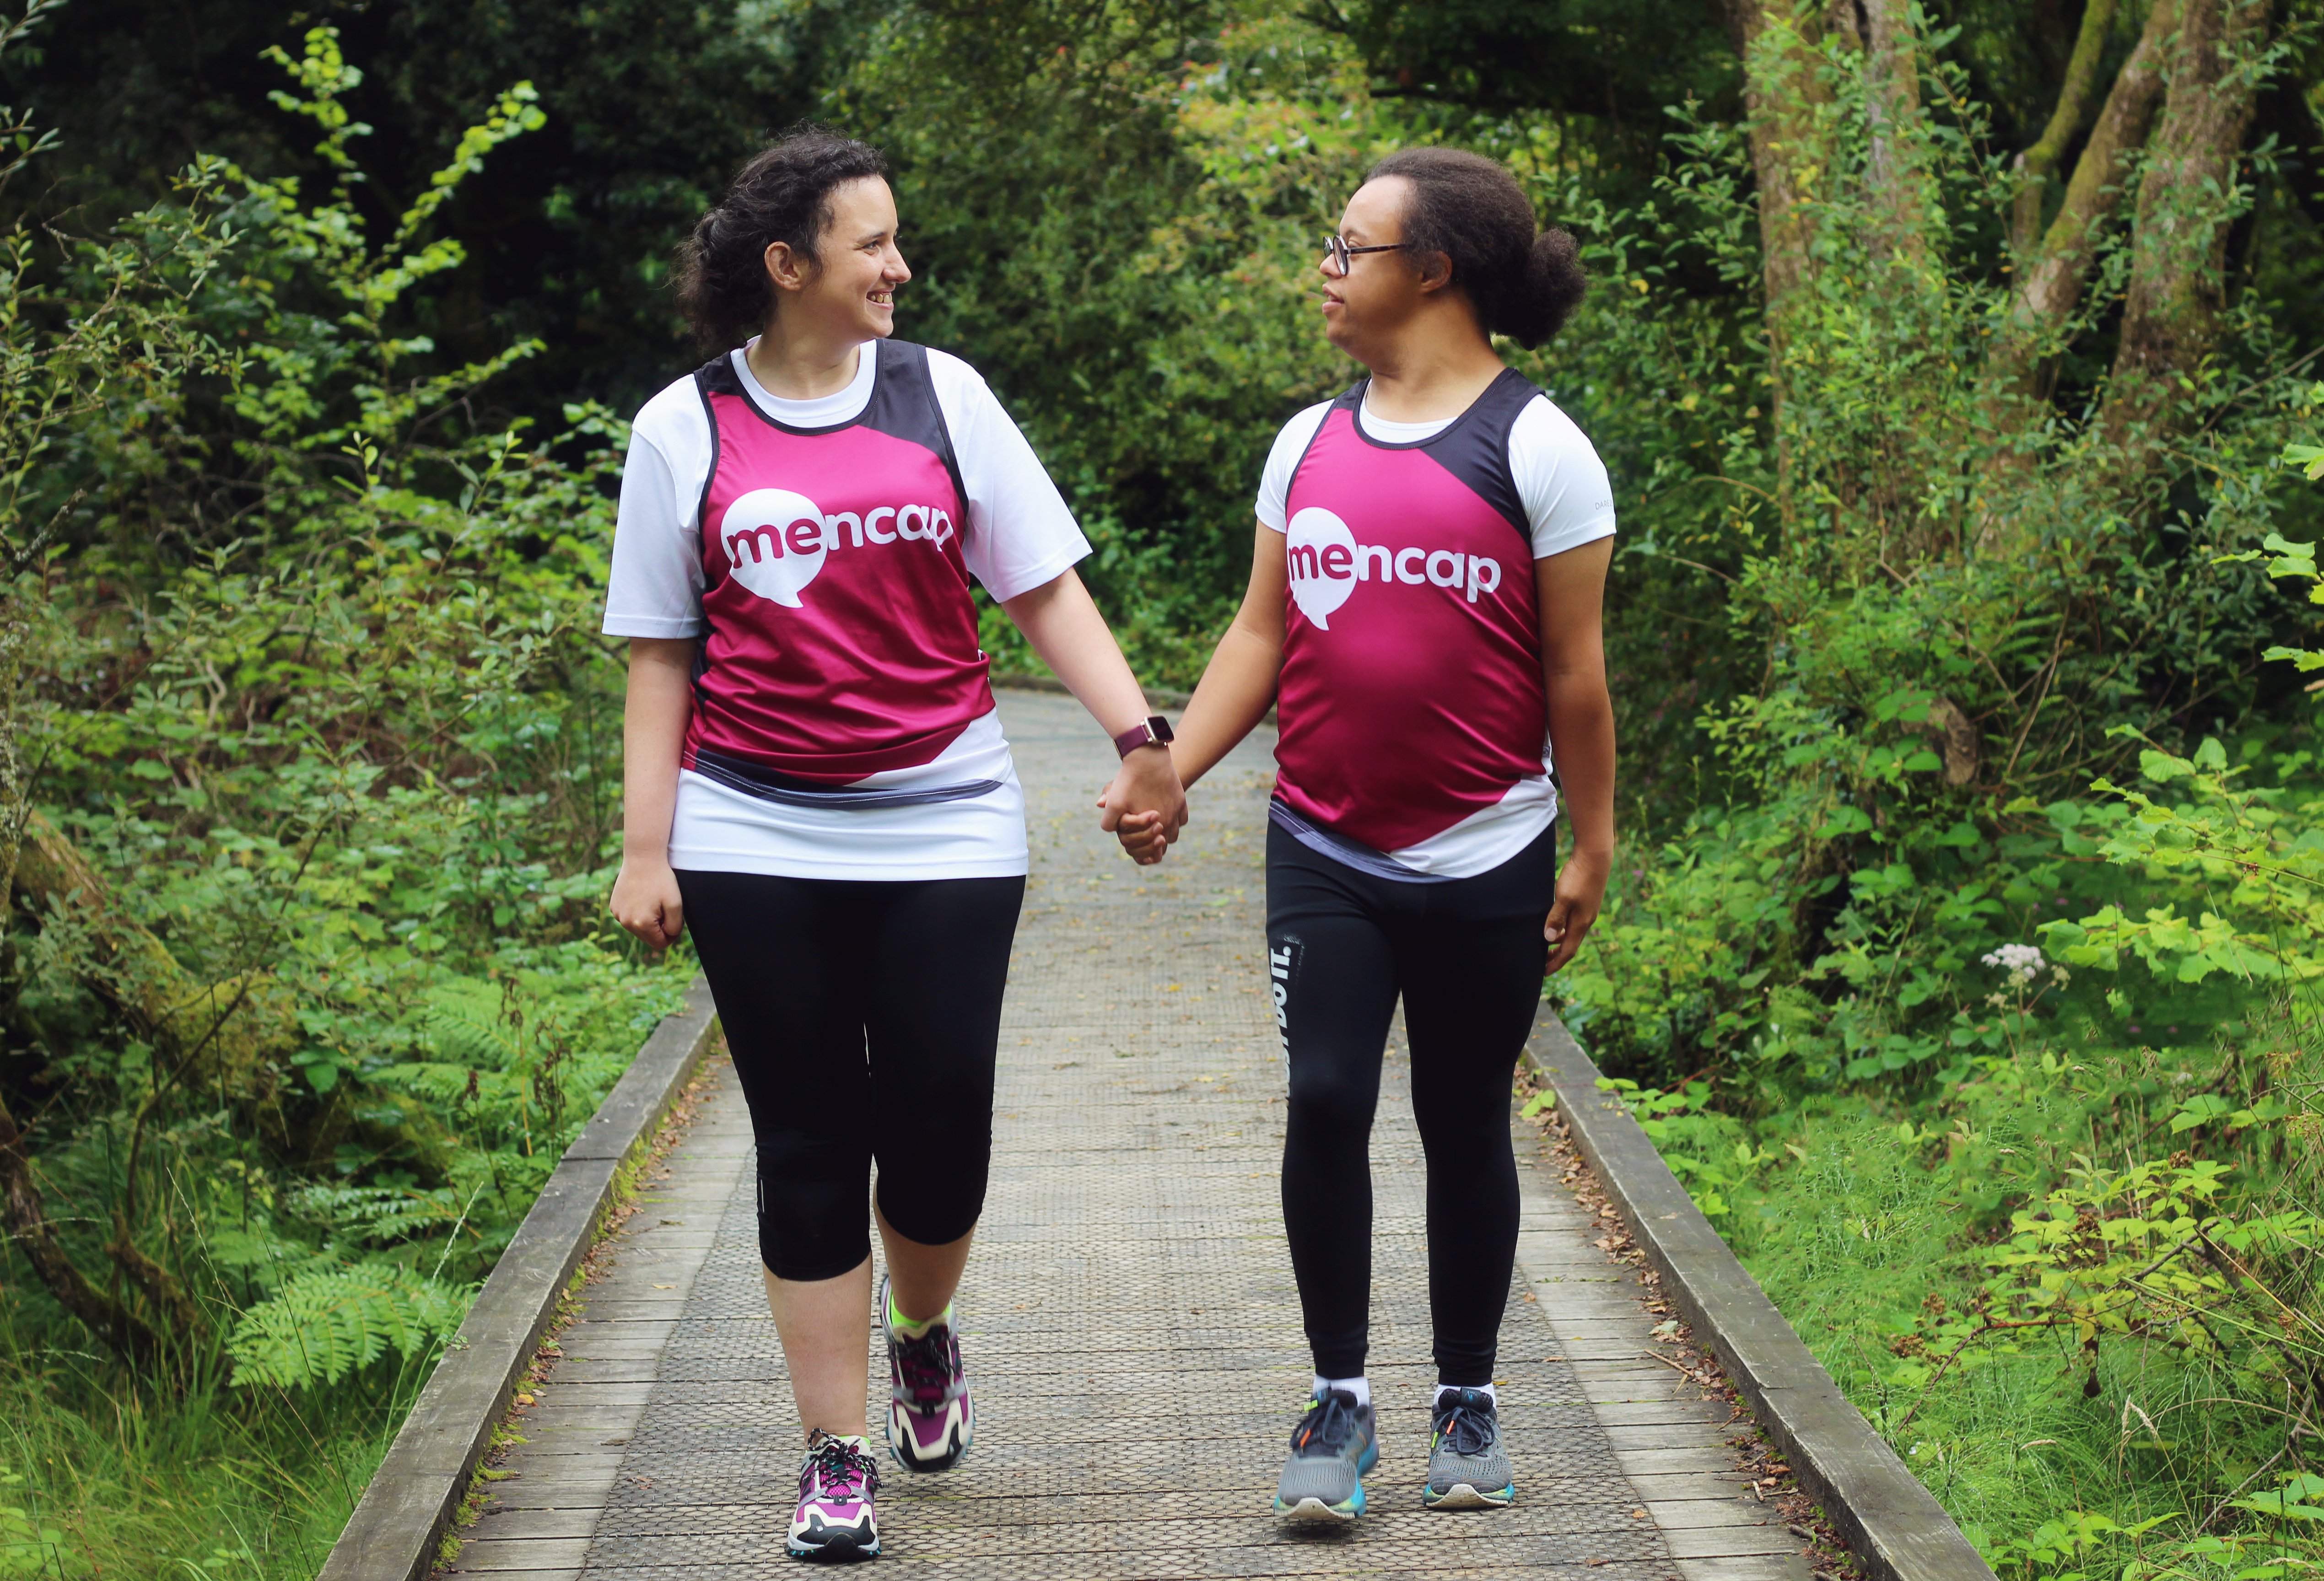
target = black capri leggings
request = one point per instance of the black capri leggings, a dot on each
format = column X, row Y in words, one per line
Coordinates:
column 1467, row 955
column 864, row 1019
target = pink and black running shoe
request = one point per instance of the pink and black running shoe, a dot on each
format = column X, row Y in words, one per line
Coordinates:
column 931, row 1421
column 835, row 1520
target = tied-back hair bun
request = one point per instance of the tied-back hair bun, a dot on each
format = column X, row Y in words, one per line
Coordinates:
column 783, row 195
column 1524, row 282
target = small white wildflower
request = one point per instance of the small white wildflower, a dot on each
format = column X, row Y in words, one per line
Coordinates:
column 2020, row 961
column 2016, row 958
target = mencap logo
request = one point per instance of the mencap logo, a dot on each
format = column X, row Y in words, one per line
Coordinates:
column 1326, row 562
column 776, row 540
column 1322, row 563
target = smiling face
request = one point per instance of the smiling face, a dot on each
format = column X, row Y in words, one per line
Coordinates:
column 849, row 293
column 1381, row 291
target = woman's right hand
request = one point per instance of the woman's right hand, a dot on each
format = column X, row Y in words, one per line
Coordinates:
column 646, row 901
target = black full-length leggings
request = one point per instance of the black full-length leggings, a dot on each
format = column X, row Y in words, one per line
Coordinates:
column 1467, row 955
column 864, row 1020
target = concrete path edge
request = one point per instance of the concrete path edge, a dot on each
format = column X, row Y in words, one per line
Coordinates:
column 1889, row 1520
column 408, row 1504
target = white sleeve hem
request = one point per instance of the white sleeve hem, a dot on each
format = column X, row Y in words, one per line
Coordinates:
column 1027, row 578
column 1573, row 537
column 650, row 626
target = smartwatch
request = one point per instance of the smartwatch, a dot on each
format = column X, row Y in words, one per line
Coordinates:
column 1153, row 731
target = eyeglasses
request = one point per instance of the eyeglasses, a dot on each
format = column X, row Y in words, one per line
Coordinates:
column 1338, row 251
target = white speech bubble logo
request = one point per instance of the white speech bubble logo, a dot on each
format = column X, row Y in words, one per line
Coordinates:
column 763, row 532
column 1321, row 580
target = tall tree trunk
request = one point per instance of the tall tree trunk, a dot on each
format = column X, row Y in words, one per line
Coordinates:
column 1781, row 92
column 1777, row 40
column 2170, row 315
column 2052, row 282
column 1903, row 205
column 2075, row 99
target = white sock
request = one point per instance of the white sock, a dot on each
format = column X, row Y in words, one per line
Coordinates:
column 1487, row 1390
column 1359, row 1386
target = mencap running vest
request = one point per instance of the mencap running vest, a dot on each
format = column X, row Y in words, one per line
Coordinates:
column 1412, row 694
column 842, row 640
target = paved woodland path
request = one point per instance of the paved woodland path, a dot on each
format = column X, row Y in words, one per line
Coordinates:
column 1129, row 1320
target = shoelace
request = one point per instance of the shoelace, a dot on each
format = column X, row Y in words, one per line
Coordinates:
column 1465, row 1428
column 925, row 1365
column 843, row 1473
column 1327, row 1427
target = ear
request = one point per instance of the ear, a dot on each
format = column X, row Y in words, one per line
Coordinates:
column 1434, row 270
column 786, row 269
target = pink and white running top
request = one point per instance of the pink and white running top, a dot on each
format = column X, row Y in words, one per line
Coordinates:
column 842, row 638
column 822, row 553
column 1413, row 719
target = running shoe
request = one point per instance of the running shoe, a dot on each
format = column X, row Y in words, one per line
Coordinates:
column 931, row 1420
column 1334, row 1446
column 1467, row 1467
column 835, row 1519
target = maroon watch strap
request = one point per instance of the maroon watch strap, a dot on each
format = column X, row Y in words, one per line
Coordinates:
column 1151, row 730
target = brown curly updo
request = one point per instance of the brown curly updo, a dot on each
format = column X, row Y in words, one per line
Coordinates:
column 784, row 195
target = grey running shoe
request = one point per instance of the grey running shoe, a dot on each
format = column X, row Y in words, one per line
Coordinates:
column 1332, row 1448
column 1467, row 1469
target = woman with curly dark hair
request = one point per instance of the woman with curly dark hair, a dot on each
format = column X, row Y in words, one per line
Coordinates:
column 816, row 778
column 1423, row 612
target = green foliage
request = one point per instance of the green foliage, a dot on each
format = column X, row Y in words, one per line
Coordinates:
column 29, row 1547
column 567, row 232
column 1991, row 672
column 324, row 1324
column 2255, row 855
column 2036, row 1325
column 312, row 760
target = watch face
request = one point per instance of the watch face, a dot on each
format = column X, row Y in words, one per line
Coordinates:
column 1161, row 728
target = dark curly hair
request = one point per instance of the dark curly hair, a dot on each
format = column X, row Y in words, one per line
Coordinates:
column 1523, row 282
column 784, row 195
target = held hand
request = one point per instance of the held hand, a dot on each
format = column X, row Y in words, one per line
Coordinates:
column 1141, row 836
column 1580, row 891
column 1145, row 789
column 646, row 901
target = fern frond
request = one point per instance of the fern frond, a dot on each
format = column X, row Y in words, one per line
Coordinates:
column 463, row 1022
column 378, row 1214
column 326, row 1323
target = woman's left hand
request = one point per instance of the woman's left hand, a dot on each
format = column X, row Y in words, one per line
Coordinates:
column 1580, row 891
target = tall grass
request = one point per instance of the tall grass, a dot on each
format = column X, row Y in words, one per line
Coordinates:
column 124, row 1479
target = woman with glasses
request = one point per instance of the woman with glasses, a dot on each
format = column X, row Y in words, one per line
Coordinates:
column 1424, row 611
column 816, row 780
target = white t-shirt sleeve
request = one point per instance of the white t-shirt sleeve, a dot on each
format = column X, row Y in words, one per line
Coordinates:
column 655, row 586
column 1019, row 533
column 1568, row 499
column 1282, row 461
